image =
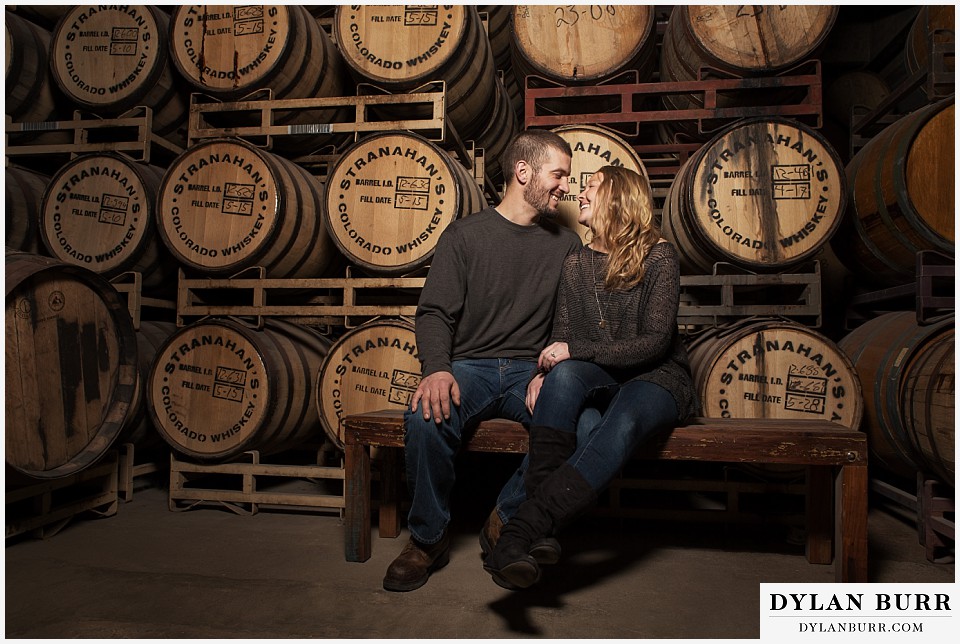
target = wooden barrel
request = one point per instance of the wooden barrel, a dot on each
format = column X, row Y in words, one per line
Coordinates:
column 742, row 39
column 907, row 373
column 230, row 51
column 401, row 47
column 218, row 388
column 99, row 212
column 737, row 40
column 901, row 187
column 226, row 205
column 774, row 369
column 497, row 134
column 23, row 190
column 30, row 95
column 110, row 58
column 138, row 427
column 593, row 147
column 389, row 197
column 764, row 194
column 371, row 367
column 928, row 404
column 515, row 92
column 857, row 88
column 577, row 44
column 933, row 24
column 45, row 15
column 71, row 366
column 499, row 32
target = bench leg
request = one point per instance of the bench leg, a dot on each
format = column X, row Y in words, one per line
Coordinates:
column 356, row 499
column 850, row 564
column 389, row 491
column 819, row 514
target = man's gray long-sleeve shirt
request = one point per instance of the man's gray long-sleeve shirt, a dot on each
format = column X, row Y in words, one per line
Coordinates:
column 490, row 291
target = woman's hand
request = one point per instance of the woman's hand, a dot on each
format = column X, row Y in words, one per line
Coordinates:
column 533, row 390
column 553, row 355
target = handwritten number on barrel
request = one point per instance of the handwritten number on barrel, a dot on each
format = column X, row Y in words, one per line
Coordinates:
column 744, row 12
column 570, row 16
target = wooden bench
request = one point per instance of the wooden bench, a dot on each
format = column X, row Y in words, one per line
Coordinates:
column 835, row 458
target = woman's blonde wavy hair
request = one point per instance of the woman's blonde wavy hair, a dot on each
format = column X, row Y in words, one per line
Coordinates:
column 623, row 223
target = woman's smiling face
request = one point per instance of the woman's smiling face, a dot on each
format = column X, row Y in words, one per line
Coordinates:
column 587, row 198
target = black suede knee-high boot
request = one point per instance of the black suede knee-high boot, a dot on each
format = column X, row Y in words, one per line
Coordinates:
column 549, row 449
column 561, row 497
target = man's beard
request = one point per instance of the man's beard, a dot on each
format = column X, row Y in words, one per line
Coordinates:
column 537, row 195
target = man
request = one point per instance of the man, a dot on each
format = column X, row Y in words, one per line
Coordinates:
column 484, row 315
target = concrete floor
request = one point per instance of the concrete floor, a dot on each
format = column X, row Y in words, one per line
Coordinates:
column 148, row 572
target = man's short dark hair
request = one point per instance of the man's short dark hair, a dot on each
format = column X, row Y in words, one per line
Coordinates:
column 532, row 146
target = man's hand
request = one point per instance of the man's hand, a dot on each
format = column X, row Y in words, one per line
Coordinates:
column 436, row 391
column 533, row 390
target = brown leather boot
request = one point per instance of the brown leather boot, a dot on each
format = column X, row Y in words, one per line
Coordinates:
column 416, row 561
column 490, row 533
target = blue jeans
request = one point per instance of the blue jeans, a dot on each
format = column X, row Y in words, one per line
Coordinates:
column 489, row 388
column 633, row 413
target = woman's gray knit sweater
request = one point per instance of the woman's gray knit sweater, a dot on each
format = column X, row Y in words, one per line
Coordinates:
column 640, row 339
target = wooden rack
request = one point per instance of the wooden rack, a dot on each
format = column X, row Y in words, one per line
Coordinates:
column 931, row 293
column 254, row 117
column 45, row 507
column 733, row 293
column 334, row 301
column 937, row 81
column 130, row 133
column 729, row 293
column 129, row 469
column 130, row 284
column 932, row 507
column 549, row 104
column 244, row 486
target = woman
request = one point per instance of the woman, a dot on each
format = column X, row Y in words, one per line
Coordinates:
column 615, row 345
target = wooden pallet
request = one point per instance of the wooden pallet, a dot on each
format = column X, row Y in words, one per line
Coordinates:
column 932, row 507
column 931, row 294
column 129, row 469
column 730, row 293
column 44, row 508
column 334, row 301
column 548, row 104
column 733, row 293
column 130, row 133
column 130, row 285
column 937, row 81
column 253, row 118
column 243, row 486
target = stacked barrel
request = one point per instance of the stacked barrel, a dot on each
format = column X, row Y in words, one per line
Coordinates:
column 74, row 353
column 899, row 226
column 770, row 194
column 747, row 189
column 219, row 206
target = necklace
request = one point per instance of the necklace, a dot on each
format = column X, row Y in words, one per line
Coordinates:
column 596, row 292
